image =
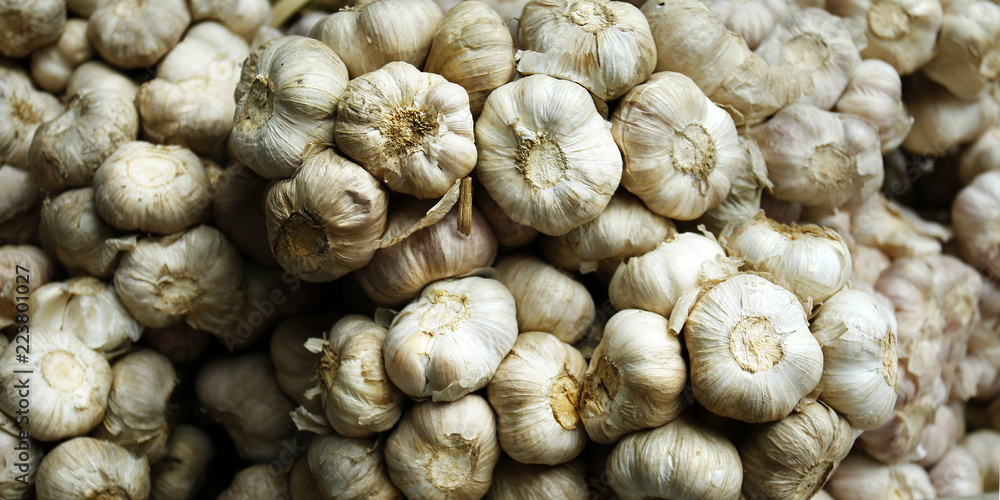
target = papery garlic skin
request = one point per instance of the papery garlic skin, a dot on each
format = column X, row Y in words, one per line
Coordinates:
column 301, row 485
column 513, row 480
column 450, row 341
column 968, row 51
column 30, row 257
column 133, row 34
column 20, row 197
column 74, row 232
column 509, row 234
column 745, row 191
column 351, row 468
column 957, row 474
column 88, row 309
column 22, row 110
column 861, row 478
column 752, row 20
column 635, row 377
column 97, row 75
column 30, row 24
column 52, row 65
column 902, row 33
column 545, row 154
column 294, row 364
column 444, row 450
column 974, row 214
column 980, row 156
column 243, row 17
column 546, row 299
column 238, row 211
column 941, row 120
column 875, row 93
column 85, row 467
column 984, row 445
column 895, row 229
column 258, row 482
column 181, row 473
column 13, row 483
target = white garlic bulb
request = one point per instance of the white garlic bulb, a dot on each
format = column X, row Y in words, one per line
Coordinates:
column 635, row 377
column 984, row 445
column 52, row 64
column 546, row 299
column 545, row 155
column 351, row 468
column 875, row 93
column 444, row 450
column 30, row 24
column 134, row 34
column 752, row 20
column 40, row 269
column 902, row 33
column 450, row 341
column 957, row 474
column 74, row 232
column 509, row 234
column 243, row 17
column 258, row 482
column 85, row 467
column 89, row 309
column 895, row 229
column 973, row 214
column 294, row 365
column 980, row 156
column 745, row 193
column 96, row 75
column 513, row 480
column 861, row 478
column 22, row 110
column 182, row 472
column 20, row 197
column 942, row 120
column 20, row 458
column 967, row 59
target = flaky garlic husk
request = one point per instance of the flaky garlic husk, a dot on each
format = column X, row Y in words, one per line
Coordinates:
column 30, row 24
column 324, row 222
column 902, row 33
column 258, row 482
column 473, row 48
column 681, row 151
column 409, row 129
column 20, row 197
column 294, row 365
column 138, row 415
column 377, row 32
column 819, row 158
column 450, row 341
column 182, row 472
column 88, row 468
column 752, row 20
column 351, row 468
column 875, row 93
column 795, row 456
column 289, row 105
column 397, row 273
column 974, row 216
column 241, row 393
column 444, row 450
column 547, row 299
column 22, row 110
column 957, row 474
column 895, row 229
column 89, row 309
column 984, row 445
column 861, row 478
column 238, row 211
column 635, row 377
column 52, row 64
column 545, row 155
column 681, row 459
column 243, row 17
column 967, row 57
column 195, row 276
column 96, row 75
column 654, row 281
column 513, row 480
column 20, row 458
column 941, row 120
column 812, row 261
column 980, row 156
column 751, row 352
column 74, row 232
column 135, row 34
column 39, row 269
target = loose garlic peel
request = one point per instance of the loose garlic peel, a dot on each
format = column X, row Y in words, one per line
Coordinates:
column 681, row 151
column 547, row 299
column 513, row 480
column 536, row 394
column 545, row 154
column 635, row 377
column 351, row 468
column 751, row 352
column 90, row 468
column 900, row 32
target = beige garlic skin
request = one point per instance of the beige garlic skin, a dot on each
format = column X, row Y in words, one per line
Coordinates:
column 900, row 32
column 12, row 485
column 409, row 129
column 795, row 456
column 41, row 269
column 89, row 309
column 981, row 156
column 324, row 222
column 957, row 474
column 52, row 65
column 545, row 155
column 30, row 24
column 75, row 233
column 294, row 365
column 655, row 281
column 183, row 469
column 860, row 477
column 819, row 158
column 243, row 17
column 444, row 450
column 875, row 93
column 473, row 48
column 286, row 111
column 941, row 120
column 351, row 468
column 984, row 445
column 238, row 211
column 635, row 377
column 603, row 45
column 968, row 51
column 509, row 234
column 896, row 229
column 820, row 44
column 745, row 191
column 258, row 482
column 377, row 32
column 88, row 468
column 752, row 20
column 195, row 276
column 547, row 299
column 241, row 393
column 67, row 150
column 681, row 151
column 134, row 34
column 96, row 75
column 22, row 110
column 751, row 352
column 513, row 480
column 69, row 393
column 681, row 459
column 974, row 214
column 20, row 197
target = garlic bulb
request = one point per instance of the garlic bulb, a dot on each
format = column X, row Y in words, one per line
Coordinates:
column 861, row 478
column 654, row 281
column 974, row 214
column 288, row 108
column 52, row 65
column 867, row 263
column 818, row 158
column 397, row 273
column 67, row 150
column 89, row 309
column 981, row 156
column 967, row 57
column 751, row 352
column 40, row 269
column 820, row 44
column 20, row 197
column 546, row 299
column 900, row 32
column 196, row 276
column 444, row 450
column 238, row 211
column 875, row 93
column 258, row 482
column 301, row 485
column 941, row 120
column 294, row 365
column 681, row 459
column 508, row 233
column 603, row 45
column 545, row 154
column 134, row 34
column 940, row 435
column 73, row 231
column 377, row 32
column 181, row 473
column 812, row 261
column 242, row 394
column 957, row 474
column 752, row 20
column 635, row 377
column 450, row 341
column 20, row 458
column 351, row 468
column 473, row 48
column 85, row 467
column 96, row 75
column 30, row 24
column 745, row 191
column 22, row 110
column 984, row 445
column 895, row 229
column 243, row 17
column 324, row 222
column 513, row 480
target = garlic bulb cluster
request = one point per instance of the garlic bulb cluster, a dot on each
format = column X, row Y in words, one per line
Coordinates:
column 30, row 24
column 89, row 309
column 351, row 468
column 136, row 34
column 752, row 20
column 875, row 93
column 85, row 467
column 546, row 299
column 903, row 33
column 967, row 57
column 52, row 64
column 181, row 472
column 974, row 214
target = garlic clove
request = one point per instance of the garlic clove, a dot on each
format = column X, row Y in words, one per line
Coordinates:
column 85, row 467
column 351, row 468
column 132, row 34
column 546, row 299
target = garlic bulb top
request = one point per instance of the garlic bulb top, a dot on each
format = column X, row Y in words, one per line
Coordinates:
column 967, row 59
column 351, row 468
column 136, row 34
column 30, row 24
column 902, row 33
column 85, row 467
column 545, row 154
column 547, row 299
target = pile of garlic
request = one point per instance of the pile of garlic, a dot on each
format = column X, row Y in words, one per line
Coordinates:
column 500, row 249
